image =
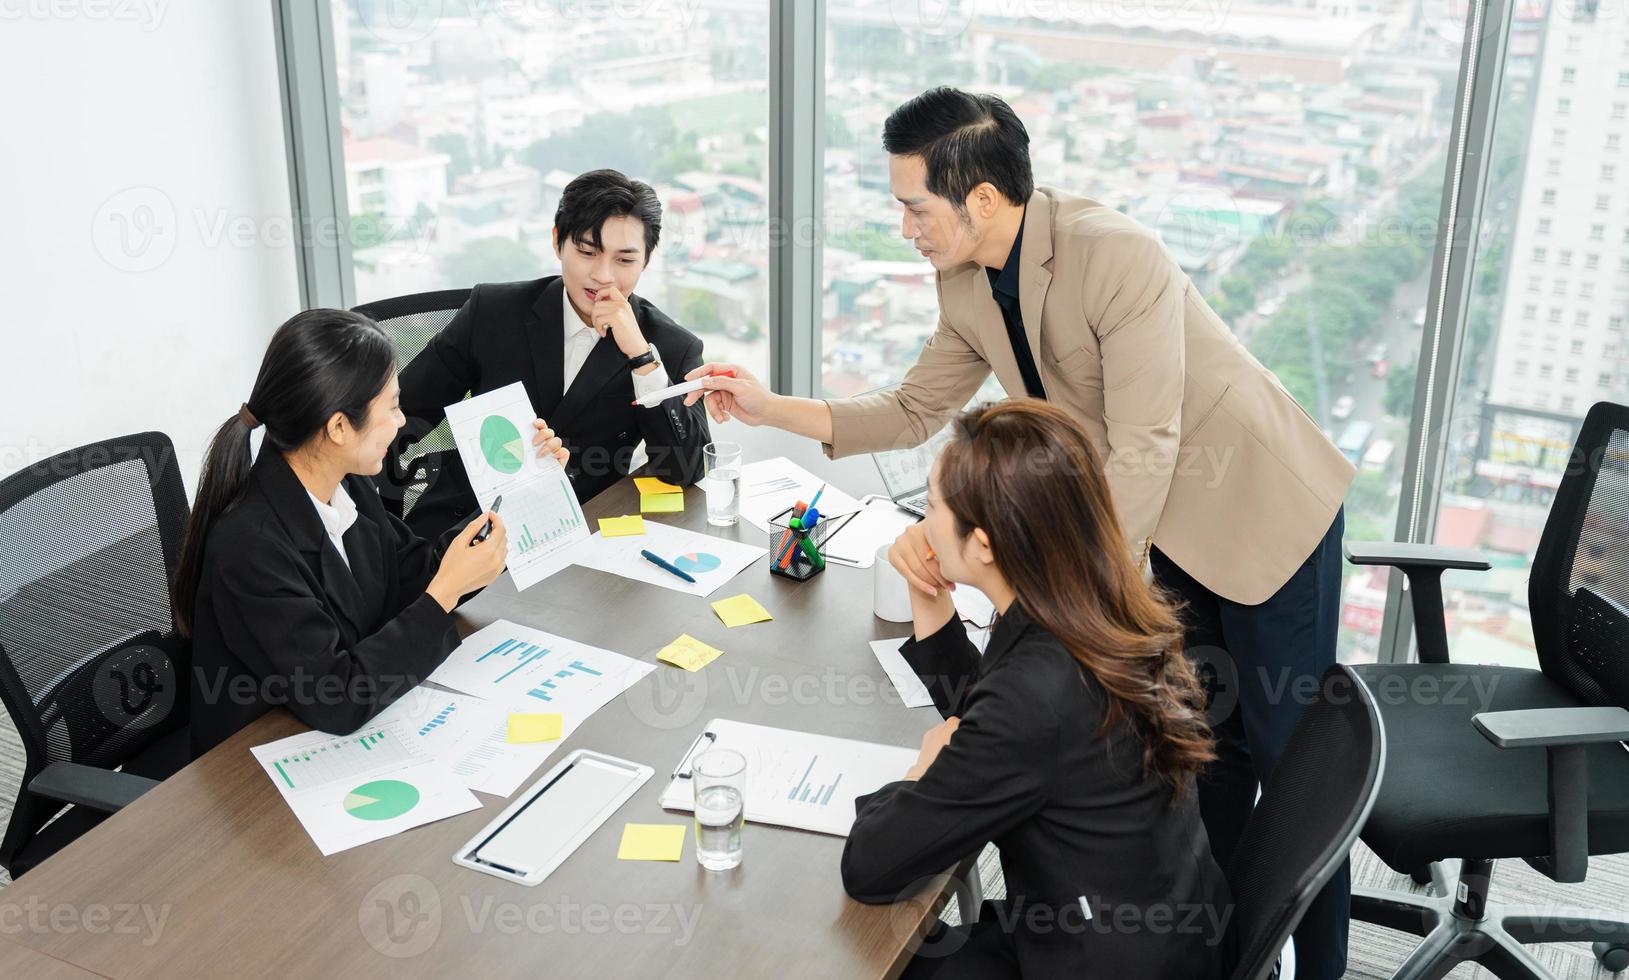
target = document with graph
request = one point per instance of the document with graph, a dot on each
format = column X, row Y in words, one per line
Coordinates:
column 373, row 783
column 493, row 433
column 795, row 779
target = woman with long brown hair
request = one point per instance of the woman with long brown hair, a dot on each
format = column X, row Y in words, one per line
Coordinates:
column 1072, row 743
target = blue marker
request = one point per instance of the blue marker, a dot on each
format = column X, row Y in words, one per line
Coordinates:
column 659, row 562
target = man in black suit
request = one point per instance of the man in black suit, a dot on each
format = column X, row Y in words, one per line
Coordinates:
column 586, row 348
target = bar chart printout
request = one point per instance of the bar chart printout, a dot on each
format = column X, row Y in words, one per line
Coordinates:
column 533, row 670
column 351, row 789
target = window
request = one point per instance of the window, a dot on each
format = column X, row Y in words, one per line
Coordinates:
column 1613, row 140
column 1586, row 289
column 1520, row 369
column 1623, row 79
column 1580, row 319
column 1597, row 232
column 1555, row 314
column 1563, row 107
column 1577, row 348
column 1564, row 258
column 1534, row 283
column 458, row 142
column 1608, row 171
column 1558, row 287
column 1552, row 168
column 1619, row 111
column 1544, row 226
column 1569, row 75
column 1603, row 202
column 1603, row 380
column 1545, row 371
column 1568, row 403
column 1539, row 254
column 1549, row 196
column 1592, row 260
column 1529, row 312
column 1571, row 377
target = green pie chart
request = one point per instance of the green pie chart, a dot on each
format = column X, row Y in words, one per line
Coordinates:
column 382, row 799
column 501, row 444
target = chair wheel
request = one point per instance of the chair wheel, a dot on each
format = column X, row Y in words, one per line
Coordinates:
column 1421, row 876
column 1613, row 956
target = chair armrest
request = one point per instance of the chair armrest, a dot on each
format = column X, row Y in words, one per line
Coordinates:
column 1565, row 735
column 88, row 786
column 1544, row 727
column 1404, row 555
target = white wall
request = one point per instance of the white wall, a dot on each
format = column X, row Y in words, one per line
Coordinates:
column 145, row 246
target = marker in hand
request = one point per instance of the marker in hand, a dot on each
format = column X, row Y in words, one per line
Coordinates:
column 656, row 398
column 486, row 529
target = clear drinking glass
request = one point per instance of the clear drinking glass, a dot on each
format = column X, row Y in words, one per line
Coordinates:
column 723, row 483
column 719, row 778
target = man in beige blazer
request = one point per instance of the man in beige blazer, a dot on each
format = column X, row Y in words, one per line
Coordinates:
column 1221, row 480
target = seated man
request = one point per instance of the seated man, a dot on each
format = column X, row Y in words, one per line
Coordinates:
column 586, row 348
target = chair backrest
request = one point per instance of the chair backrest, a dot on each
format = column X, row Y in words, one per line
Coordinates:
column 91, row 667
column 1310, row 813
column 411, row 321
column 1579, row 590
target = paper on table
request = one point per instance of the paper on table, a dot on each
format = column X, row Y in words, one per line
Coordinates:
column 741, row 610
column 689, row 653
column 710, row 560
column 351, row 789
column 912, row 692
column 650, row 484
column 525, row 729
column 624, row 526
column 769, row 486
column 652, row 842
column 661, row 503
column 973, row 605
column 878, row 522
column 493, row 433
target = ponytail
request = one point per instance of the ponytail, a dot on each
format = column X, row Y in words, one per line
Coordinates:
column 318, row 363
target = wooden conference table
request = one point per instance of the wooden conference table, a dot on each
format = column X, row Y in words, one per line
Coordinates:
column 217, row 857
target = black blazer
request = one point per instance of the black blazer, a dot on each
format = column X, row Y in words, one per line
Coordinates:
column 281, row 620
column 1075, row 822
column 515, row 331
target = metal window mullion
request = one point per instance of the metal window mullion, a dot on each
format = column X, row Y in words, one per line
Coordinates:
column 797, row 40
column 1476, row 107
column 316, row 166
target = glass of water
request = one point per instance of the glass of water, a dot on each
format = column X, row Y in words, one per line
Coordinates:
column 723, row 483
column 719, row 778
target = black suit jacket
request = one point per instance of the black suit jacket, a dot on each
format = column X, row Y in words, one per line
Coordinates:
column 1076, row 823
column 508, row 332
column 281, row 620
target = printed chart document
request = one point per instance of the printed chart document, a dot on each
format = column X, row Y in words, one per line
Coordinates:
column 769, row 486
column 711, row 561
column 469, row 735
column 351, row 789
column 798, row 779
column 511, row 668
column 493, row 433
column 911, row 690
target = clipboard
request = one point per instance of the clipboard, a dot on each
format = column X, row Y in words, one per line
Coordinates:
column 548, row 822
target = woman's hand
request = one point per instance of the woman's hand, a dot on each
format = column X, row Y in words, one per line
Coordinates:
column 547, row 443
column 469, row 565
column 743, row 396
column 937, row 738
column 914, row 558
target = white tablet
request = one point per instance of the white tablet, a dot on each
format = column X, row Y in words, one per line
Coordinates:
column 548, row 821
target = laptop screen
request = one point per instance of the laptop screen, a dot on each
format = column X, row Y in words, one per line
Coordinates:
column 905, row 471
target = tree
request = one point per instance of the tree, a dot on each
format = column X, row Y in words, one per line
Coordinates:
column 456, row 146
column 1399, row 397
column 490, row 260
column 698, row 310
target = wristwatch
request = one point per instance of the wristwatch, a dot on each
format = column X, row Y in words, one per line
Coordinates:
column 649, row 357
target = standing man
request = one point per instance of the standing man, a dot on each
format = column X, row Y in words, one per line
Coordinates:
column 1226, row 486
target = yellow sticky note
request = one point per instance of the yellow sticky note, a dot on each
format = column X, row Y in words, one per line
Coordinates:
column 652, row 842
column 650, row 484
column 689, row 653
column 535, row 728
column 622, row 527
column 741, row 610
column 661, row 503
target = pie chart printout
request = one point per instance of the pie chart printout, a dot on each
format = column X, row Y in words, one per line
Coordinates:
column 382, row 799
column 696, row 561
column 501, row 444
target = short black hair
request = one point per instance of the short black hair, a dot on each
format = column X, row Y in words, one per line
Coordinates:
column 965, row 140
column 593, row 197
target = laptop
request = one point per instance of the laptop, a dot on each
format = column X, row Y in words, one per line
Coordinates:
column 905, row 472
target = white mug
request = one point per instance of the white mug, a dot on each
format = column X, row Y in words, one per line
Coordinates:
column 891, row 595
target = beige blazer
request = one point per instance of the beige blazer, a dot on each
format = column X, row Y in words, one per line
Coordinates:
column 1208, row 457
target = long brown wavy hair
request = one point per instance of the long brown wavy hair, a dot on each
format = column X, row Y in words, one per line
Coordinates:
column 1026, row 473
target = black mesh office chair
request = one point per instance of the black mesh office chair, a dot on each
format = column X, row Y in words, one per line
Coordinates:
column 415, row 456
column 1307, row 819
column 1502, row 762
column 91, row 669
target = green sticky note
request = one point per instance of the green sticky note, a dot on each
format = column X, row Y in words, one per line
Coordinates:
column 661, row 503
column 535, row 728
column 622, row 527
column 652, row 842
column 741, row 610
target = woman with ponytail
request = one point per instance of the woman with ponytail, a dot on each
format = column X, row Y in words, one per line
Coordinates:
column 295, row 584
column 1072, row 743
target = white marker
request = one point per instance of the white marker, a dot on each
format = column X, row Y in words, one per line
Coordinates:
column 656, row 398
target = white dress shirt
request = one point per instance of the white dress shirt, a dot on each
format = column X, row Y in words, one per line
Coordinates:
column 582, row 340
column 337, row 516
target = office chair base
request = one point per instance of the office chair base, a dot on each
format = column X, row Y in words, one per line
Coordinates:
column 1456, row 923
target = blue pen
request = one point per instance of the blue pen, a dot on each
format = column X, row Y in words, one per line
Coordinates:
column 657, row 560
